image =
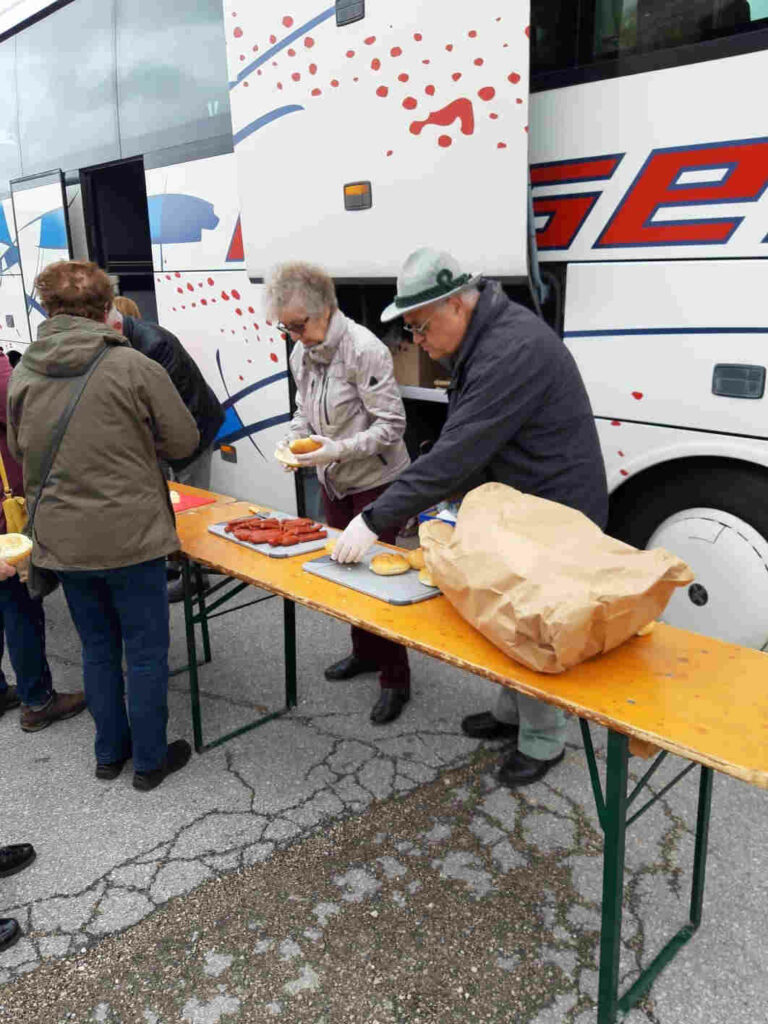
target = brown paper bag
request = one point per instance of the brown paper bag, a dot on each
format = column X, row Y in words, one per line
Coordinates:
column 541, row 581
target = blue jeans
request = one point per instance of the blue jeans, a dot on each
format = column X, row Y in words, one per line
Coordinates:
column 112, row 608
column 23, row 622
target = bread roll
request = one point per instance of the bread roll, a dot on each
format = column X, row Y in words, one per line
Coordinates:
column 389, row 564
column 304, row 445
column 14, row 548
column 425, row 577
column 416, row 559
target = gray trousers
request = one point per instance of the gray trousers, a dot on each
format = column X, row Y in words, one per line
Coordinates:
column 542, row 726
column 197, row 473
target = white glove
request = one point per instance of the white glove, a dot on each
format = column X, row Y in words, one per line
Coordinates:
column 354, row 542
column 330, row 452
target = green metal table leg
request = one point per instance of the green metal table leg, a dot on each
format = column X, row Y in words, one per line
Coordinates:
column 189, row 623
column 202, row 614
column 289, row 633
column 613, row 876
column 702, row 842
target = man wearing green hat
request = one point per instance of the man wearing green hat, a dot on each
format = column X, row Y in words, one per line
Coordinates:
column 518, row 413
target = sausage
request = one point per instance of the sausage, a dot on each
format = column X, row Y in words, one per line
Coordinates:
column 316, row 535
column 252, row 523
column 290, row 523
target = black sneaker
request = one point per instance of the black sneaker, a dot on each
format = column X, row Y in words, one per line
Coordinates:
column 10, row 933
column 15, row 858
column 179, row 752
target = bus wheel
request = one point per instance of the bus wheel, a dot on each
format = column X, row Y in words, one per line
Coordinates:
column 717, row 520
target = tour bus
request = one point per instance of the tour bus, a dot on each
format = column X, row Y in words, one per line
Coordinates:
column 606, row 159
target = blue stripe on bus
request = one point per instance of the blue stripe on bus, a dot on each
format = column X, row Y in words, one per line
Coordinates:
column 264, row 119
column 252, row 428
column 264, row 382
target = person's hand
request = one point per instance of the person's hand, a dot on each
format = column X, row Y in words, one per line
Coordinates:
column 7, row 570
column 330, row 452
column 356, row 540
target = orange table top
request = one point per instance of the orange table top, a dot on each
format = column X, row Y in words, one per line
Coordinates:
column 701, row 698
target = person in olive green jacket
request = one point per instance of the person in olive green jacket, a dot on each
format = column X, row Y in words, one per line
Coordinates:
column 104, row 522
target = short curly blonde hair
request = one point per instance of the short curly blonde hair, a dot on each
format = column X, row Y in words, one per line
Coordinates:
column 300, row 282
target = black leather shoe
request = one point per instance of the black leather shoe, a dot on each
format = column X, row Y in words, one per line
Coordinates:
column 389, row 705
column 10, row 933
column 179, row 752
column 15, row 858
column 348, row 668
column 9, row 699
column 521, row 770
column 485, row 726
column 110, row 771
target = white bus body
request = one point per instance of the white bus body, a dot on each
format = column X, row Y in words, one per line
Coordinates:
column 651, row 215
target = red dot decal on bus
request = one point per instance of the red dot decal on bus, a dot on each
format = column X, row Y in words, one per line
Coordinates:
column 203, row 302
column 238, row 32
column 456, row 76
column 296, row 76
column 291, row 52
column 273, row 39
column 235, row 293
column 418, row 36
column 250, row 309
column 621, row 454
column 316, row 92
column 225, row 296
column 279, row 85
column 624, row 472
column 410, row 102
column 396, row 51
column 501, row 145
column 402, row 78
column 528, row 31
column 335, row 83
column 390, row 152
column 429, row 90
column 287, row 21
column 444, row 141
column 210, row 280
column 472, row 34
column 255, row 47
column 479, row 62
column 177, row 274
column 370, row 40
column 239, row 311
column 382, row 91
column 180, row 291
column 273, row 357
column 637, row 395
column 460, row 109
column 514, row 78
column 350, row 53
column 449, row 47
column 375, row 63
column 190, row 287
column 615, row 423
column 494, row 117
column 487, row 93
column 313, row 69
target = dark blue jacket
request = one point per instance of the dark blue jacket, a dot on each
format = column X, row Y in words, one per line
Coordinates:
column 518, row 414
column 159, row 345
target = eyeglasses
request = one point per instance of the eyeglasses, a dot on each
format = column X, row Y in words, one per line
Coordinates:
column 293, row 328
column 421, row 329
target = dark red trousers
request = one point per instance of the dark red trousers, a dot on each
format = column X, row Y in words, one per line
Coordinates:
column 391, row 658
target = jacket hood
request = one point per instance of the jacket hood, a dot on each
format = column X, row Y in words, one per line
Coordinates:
column 66, row 345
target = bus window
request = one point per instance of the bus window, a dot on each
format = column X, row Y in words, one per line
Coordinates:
column 641, row 26
column 554, row 34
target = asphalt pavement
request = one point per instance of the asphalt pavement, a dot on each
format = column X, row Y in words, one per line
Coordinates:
column 321, row 869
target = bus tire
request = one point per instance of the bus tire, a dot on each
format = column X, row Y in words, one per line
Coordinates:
column 716, row 518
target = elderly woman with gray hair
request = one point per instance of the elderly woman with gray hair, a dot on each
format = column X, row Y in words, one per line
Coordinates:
column 347, row 400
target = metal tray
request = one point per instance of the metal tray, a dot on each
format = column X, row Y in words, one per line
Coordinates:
column 403, row 589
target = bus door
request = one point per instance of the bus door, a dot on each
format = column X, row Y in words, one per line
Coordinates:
column 117, row 229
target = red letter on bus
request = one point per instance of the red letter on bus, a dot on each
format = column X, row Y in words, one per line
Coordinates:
column 697, row 176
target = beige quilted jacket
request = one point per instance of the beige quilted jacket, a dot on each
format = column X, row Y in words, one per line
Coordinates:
column 346, row 390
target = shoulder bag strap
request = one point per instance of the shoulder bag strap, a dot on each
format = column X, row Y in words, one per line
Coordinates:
column 61, row 429
column 8, row 493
